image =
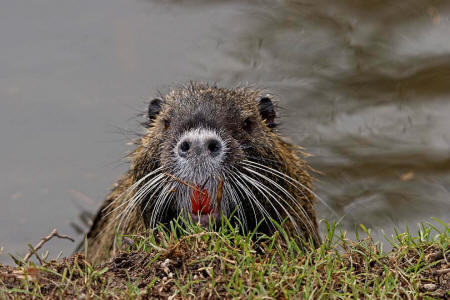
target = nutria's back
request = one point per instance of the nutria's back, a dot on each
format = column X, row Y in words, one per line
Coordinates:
column 209, row 151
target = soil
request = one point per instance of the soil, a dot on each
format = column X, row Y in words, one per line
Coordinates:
column 159, row 273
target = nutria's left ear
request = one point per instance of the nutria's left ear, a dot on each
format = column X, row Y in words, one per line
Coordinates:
column 154, row 108
column 267, row 111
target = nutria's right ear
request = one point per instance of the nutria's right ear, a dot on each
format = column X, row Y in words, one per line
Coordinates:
column 154, row 108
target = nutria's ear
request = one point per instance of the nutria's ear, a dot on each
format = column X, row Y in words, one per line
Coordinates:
column 154, row 108
column 267, row 111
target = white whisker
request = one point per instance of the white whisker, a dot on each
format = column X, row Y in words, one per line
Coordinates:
column 292, row 198
column 251, row 197
column 288, row 179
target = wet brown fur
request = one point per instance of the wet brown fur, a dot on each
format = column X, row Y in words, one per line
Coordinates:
column 150, row 151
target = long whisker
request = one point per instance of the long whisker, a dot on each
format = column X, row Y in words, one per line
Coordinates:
column 239, row 210
column 264, row 191
column 139, row 195
column 271, row 193
column 261, row 190
column 280, row 188
column 156, row 211
column 251, row 196
column 129, row 191
column 126, row 200
column 156, row 187
column 289, row 195
column 156, row 190
column 167, row 202
column 289, row 179
column 233, row 194
column 126, row 213
column 235, row 199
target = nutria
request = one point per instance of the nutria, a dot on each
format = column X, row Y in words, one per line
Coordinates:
column 207, row 152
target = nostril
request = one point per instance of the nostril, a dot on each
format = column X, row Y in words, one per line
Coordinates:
column 214, row 146
column 184, row 148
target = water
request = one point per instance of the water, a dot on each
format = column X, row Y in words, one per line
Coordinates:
column 364, row 87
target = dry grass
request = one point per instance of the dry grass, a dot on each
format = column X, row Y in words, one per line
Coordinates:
column 190, row 261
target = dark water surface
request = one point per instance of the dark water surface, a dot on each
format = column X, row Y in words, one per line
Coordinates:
column 365, row 87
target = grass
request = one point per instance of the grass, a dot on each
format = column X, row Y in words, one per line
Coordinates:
column 190, row 261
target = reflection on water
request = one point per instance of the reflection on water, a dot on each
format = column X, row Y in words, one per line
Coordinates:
column 363, row 86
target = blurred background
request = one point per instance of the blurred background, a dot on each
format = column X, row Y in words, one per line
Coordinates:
column 364, row 86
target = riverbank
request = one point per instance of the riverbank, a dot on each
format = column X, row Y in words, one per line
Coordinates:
column 194, row 262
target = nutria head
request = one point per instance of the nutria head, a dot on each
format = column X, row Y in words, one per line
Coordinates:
column 210, row 151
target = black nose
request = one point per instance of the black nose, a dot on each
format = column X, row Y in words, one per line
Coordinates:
column 209, row 146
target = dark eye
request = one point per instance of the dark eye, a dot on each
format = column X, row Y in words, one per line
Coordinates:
column 166, row 123
column 247, row 125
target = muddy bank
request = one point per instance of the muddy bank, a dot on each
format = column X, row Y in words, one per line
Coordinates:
column 217, row 265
